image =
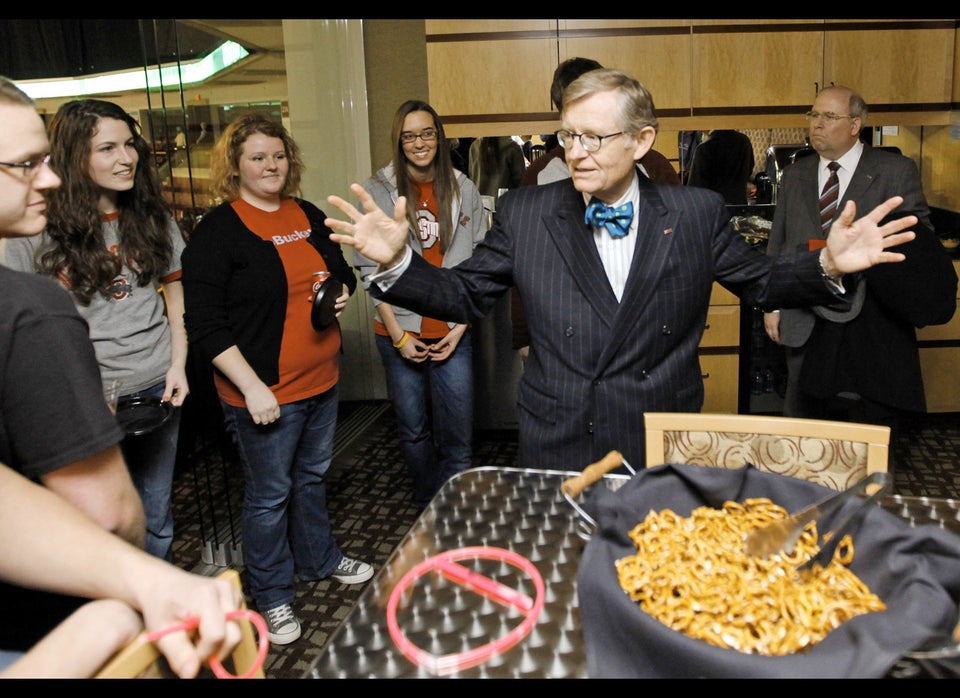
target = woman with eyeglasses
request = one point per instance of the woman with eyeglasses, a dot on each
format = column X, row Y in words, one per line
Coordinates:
column 428, row 362
column 113, row 243
column 252, row 272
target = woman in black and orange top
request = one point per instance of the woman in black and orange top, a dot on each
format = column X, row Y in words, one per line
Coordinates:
column 428, row 362
column 248, row 269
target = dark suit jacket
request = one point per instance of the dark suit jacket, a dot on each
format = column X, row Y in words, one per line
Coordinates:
column 658, row 169
column 597, row 365
column 724, row 162
column 874, row 354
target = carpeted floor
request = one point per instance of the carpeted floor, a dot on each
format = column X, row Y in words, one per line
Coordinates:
column 369, row 498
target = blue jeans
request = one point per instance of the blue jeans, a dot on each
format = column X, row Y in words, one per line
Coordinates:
column 151, row 459
column 443, row 391
column 286, row 529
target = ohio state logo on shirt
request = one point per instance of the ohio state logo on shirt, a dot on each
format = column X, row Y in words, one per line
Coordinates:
column 428, row 227
column 120, row 289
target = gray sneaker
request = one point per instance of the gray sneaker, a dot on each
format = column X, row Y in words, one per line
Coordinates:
column 351, row 571
column 282, row 626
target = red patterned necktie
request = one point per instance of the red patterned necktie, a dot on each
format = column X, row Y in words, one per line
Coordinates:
column 828, row 197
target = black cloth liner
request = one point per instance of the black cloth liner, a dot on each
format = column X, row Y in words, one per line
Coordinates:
column 914, row 570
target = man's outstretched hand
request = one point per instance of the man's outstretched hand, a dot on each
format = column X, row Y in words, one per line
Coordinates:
column 854, row 245
column 373, row 234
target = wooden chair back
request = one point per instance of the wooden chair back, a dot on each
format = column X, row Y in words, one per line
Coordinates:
column 830, row 453
column 142, row 659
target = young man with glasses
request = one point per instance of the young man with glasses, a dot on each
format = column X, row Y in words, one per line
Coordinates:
column 56, row 429
column 616, row 302
column 861, row 364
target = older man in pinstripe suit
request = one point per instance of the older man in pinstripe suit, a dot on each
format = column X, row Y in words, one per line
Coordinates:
column 614, row 321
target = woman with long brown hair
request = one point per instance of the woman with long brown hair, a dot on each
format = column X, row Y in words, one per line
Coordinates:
column 111, row 241
column 428, row 362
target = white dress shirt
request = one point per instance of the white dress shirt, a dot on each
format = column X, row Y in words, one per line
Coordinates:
column 616, row 254
column 848, row 163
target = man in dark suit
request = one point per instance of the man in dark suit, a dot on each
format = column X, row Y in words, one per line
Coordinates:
column 614, row 321
column 552, row 167
column 861, row 365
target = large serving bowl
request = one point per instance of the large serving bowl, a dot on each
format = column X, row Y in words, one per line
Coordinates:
column 915, row 571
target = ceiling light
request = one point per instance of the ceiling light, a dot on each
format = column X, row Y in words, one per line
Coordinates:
column 170, row 77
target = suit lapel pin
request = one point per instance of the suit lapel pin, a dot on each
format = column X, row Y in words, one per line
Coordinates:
column 667, row 231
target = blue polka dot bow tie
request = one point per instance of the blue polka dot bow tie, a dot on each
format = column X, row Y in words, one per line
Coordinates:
column 616, row 219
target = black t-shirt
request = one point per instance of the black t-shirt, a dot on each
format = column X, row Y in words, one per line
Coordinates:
column 51, row 407
column 51, row 414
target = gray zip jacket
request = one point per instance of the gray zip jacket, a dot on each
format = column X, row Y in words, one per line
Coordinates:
column 471, row 227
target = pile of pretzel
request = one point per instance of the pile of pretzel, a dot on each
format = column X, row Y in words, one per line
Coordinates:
column 692, row 574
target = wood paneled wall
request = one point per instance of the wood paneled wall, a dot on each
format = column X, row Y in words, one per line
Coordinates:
column 938, row 149
column 492, row 77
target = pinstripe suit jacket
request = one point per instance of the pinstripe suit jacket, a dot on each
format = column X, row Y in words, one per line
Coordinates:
column 597, row 365
column 876, row 353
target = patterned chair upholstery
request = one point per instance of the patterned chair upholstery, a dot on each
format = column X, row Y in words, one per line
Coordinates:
column 832, row 454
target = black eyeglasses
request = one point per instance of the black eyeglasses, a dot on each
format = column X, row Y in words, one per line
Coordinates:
column 29, row 168
column 426, row 135
column 588, row 141
column 828, row 115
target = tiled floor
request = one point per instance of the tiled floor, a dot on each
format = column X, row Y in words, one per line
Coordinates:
column 369, row 498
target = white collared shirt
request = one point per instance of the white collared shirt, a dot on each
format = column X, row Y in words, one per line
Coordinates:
column 848, row 163
column 616, row 254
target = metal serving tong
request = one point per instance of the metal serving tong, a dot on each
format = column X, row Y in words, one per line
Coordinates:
column 783, row 535
column 573, row 486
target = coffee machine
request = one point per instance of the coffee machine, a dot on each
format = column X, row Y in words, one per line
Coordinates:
column 778, row 157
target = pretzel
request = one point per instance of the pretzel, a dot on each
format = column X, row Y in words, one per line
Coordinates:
column 693, row 575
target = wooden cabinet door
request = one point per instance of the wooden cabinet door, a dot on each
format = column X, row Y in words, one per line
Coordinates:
column 722, row 328
column 655, row 52
column 490, row 67
column 940, row 363
column 720, row 352
column 910, row 63
column 941, row 378
column 720, row 382
column 492, row 77
column 739, row 64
